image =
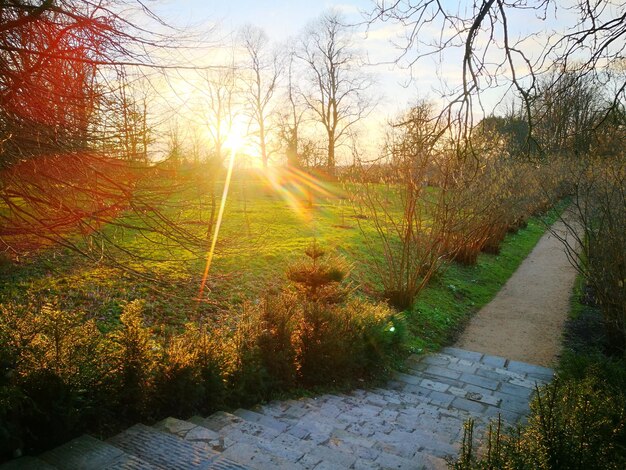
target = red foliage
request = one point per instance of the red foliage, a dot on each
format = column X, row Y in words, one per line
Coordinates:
column 51, row 197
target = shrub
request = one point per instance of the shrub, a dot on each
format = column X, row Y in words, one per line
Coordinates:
column 598, row 221
column 487, row 201
column 573, row 425
column 178, row 388
column 208, row 347
column 51, row 377
column 279, row 314
column 248, row 379
column 337, row 336
column 317, row 278
column 134, row 355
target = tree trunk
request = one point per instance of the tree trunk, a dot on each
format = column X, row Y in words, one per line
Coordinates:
column 330, row 164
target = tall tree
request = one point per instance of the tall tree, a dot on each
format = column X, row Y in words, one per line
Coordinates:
column 291, row 116
column 493, row 54
column 263, row 69
column 566, row 110
column 337, row 93
column 220, row 110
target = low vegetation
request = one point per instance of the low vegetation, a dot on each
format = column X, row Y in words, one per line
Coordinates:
column 67, row 369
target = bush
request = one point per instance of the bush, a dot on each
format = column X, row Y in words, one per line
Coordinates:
column 598, row 216
column 339, row 343
column 338, row 338
column 206, row 346
column 60, row 374
column 487, row 201
column 279, row 314
column 52, row 375
column 248, row 380
column 179, row 388
column 573, row 424
column 134, row 355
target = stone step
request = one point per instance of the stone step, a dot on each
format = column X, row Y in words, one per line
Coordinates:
column 258, row 444
column 86, row 452
column 266, row 420
column 322, row 446
column 540, row 372
column 370, row 453
column 480, row 384
column 27, row 463
column 351, row 412
column 469, row 401
column 486, row 365
column 192, row 432
column 252, row 456
column 165, row 450
column 345, row 427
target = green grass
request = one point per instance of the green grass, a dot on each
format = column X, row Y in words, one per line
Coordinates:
column 264, row 231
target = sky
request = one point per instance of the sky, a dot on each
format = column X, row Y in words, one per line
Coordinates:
column 396, row 87
column 284, row 20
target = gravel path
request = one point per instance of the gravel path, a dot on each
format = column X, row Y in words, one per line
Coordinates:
column 524, row 322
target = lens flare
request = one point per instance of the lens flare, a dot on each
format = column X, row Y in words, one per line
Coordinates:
column 298, row 188
column 218, row 223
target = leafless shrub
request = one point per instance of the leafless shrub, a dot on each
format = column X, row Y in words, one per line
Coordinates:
column 597, row 221
column 410, row 219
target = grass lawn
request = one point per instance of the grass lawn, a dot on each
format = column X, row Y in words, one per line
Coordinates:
column 265, row 228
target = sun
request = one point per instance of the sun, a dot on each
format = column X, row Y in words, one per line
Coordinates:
column 235, row 141
column 237, row 136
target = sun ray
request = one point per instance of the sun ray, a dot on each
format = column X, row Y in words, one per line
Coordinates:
column 299, row 189
column 218, row 223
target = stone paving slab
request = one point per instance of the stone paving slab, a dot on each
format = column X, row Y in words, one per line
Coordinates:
column 27, row 463
column 163, row 450
column 251, row 456
column 414, row 422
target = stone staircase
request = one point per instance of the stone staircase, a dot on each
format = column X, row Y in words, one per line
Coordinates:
column 415, row 422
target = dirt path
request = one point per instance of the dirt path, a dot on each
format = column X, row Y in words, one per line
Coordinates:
column 525, row 320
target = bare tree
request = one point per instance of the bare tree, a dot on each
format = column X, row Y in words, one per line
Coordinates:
column 337, row 93
column 122, row 123
column 566, row 111
column 411, row 227
column 263, row 66
column 493, row 55
column 220, row 111
column 175, row 153
column 291, row 116
column 219, row 90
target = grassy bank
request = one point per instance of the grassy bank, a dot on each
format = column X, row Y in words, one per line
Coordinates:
column 445, row 306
